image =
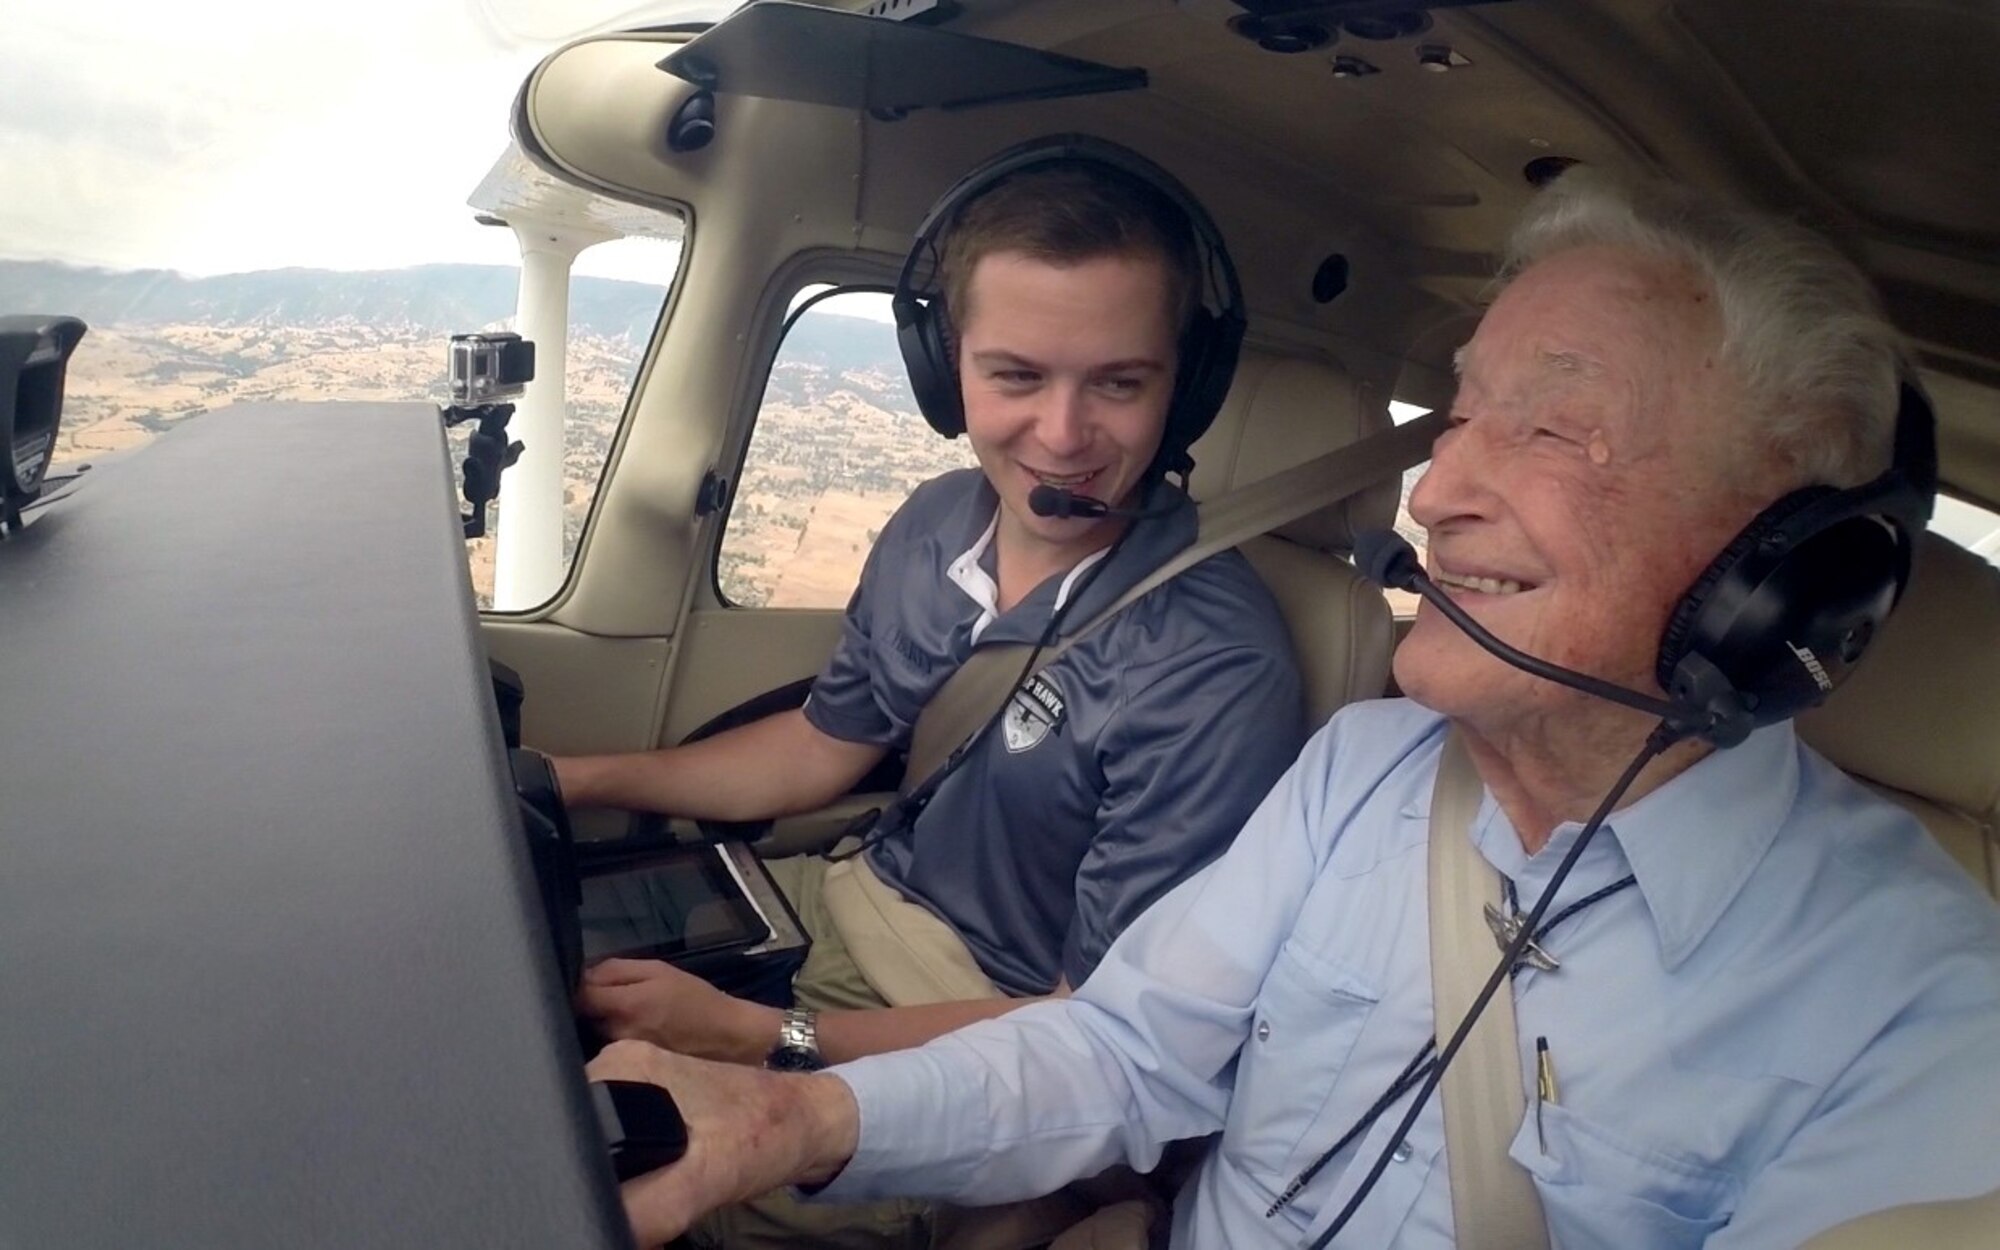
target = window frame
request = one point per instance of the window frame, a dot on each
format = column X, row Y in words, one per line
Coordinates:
column 755, row 408
column 614, row 450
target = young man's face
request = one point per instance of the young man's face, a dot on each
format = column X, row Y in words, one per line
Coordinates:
column 1582, row 484
column 1066, row 373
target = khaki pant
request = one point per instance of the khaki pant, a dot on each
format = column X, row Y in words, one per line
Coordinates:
column 830, row 980
column 913, row 957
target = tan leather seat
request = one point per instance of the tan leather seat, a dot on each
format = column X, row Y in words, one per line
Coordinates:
column 1916, row 722
column 1281, row 411
column 1919, row 719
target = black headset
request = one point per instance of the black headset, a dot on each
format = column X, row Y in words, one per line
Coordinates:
column 1208, row 346
column 1776, row 620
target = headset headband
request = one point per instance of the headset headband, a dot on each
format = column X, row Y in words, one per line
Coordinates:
column 1078, row 147
column 1208, row 344
column 1905, row 492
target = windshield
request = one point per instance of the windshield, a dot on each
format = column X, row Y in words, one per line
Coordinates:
column 269, row 202
column 221, row 136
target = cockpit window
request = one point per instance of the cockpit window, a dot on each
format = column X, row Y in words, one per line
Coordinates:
column 1402, row 602
column 1972, row 527
column 837, row 447
column 252, row 203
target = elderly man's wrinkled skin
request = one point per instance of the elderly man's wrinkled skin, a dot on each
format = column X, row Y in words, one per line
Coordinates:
column 1581, row 487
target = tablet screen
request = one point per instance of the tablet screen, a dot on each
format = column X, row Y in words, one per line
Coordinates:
column 683, row 901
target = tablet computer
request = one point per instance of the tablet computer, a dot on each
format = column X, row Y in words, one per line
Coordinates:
column 676, row 902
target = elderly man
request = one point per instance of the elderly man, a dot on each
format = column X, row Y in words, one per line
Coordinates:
column 1741, row 1058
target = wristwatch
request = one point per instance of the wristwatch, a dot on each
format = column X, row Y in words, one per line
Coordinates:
column 798, row 1043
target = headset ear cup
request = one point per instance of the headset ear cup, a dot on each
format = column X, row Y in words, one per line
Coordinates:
column 1208, row 352
column 1776, row 622
column 1687, row 622
column 1784, row 614
column 927, row 359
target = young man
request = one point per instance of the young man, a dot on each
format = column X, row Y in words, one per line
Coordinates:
column 1124, row 765
column 1729, row 1053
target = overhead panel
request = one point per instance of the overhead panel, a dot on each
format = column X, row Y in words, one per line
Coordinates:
column 1854, row 90
column 812, row 55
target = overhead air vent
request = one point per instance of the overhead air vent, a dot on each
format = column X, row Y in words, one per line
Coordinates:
column 1543, row 170
column 1389, row 24
column 1282, row 35
column 1377, row 20
column 1437, row 58
column 928, row 12
column 1330, row 279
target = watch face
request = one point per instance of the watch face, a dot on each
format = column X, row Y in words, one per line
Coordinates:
column 793, row 1059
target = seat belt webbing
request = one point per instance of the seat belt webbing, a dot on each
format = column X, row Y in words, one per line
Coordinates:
column 1494, row 1205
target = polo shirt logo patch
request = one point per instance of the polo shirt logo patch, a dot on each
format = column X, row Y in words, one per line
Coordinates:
column 1036, row 708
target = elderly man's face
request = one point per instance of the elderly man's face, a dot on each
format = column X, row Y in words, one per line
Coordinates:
column 1579, row 490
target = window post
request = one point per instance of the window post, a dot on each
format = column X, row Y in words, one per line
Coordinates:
column 527, row 553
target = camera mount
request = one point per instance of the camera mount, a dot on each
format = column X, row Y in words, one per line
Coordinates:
column 485, row 371
column 487, row 452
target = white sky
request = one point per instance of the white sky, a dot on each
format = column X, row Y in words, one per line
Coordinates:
column 214, row 136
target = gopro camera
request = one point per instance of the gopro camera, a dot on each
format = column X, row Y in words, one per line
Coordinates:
column 490, row 368
column 34, row 359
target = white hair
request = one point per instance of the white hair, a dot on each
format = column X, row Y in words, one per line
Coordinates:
column 1802, row 328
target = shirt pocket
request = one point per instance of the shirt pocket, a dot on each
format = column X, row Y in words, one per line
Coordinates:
column 1309, row 1013
column 1599, row 1189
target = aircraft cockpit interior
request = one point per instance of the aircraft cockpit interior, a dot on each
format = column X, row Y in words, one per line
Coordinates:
column 299, row 924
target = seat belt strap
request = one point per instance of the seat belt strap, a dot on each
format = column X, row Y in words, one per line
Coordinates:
column 968, row 698
column 1494, row 1205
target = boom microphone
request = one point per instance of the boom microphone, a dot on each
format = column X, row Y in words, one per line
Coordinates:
column 1387, row 560
column 1054, row 501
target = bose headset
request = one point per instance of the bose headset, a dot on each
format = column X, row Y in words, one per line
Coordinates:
column 1208, row 345
column 1781, row 615
column 1776, row 620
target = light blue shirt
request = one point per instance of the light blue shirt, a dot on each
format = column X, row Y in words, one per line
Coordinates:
column 1793, row 1019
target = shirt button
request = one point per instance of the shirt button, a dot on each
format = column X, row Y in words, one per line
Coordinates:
column 1263, row 1030
column 1403, row 1152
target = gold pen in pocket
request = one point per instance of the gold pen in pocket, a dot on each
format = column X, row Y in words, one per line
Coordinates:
column 1545, row 1088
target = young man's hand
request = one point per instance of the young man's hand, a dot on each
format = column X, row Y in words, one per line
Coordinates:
column 650, row 1001
column 748, row 1131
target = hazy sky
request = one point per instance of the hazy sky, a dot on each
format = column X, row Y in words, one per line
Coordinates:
column 214, row 136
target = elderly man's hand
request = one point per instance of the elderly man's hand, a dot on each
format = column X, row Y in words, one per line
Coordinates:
column 748, row 1133
column 658, row 1003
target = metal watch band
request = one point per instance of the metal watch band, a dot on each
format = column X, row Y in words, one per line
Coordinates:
column 798, row 1041
column 800, row 1029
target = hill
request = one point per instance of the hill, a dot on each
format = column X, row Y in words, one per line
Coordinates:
column 438, row 300
column 834, row 447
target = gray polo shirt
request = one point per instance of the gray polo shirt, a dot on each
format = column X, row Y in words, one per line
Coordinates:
column 1123, row 766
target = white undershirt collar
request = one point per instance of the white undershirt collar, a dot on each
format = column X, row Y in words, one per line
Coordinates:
column 970, row 575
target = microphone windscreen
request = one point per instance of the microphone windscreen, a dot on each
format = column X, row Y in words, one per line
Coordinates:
column 1048, row 501
column 1386, row 559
